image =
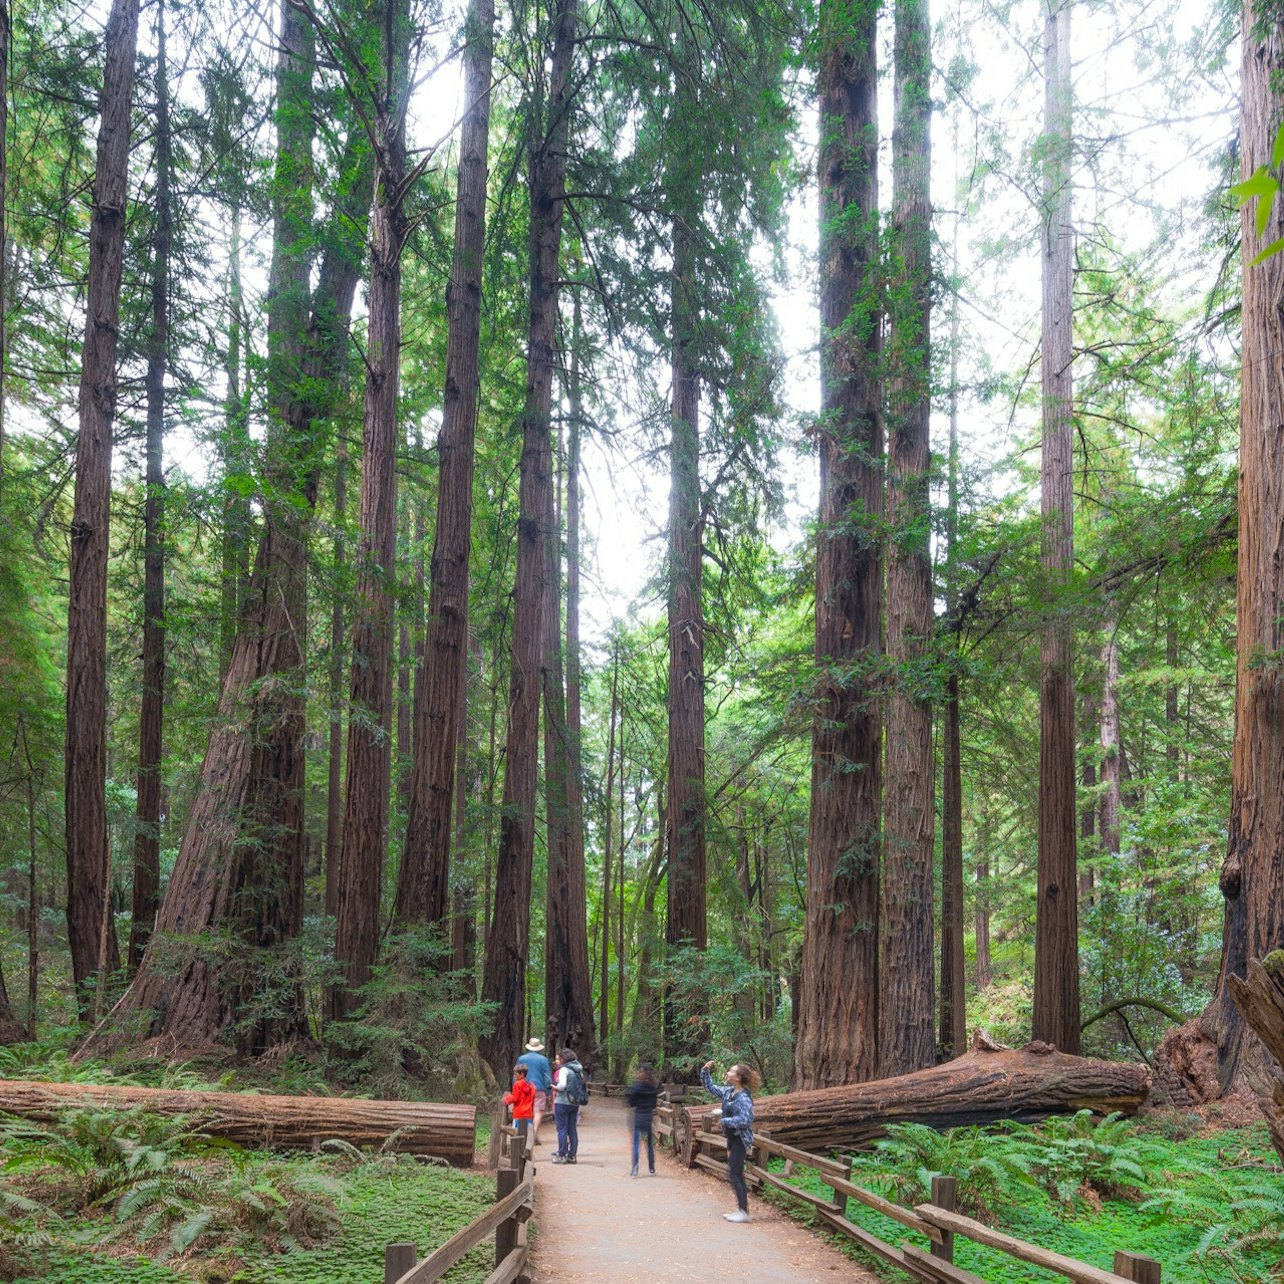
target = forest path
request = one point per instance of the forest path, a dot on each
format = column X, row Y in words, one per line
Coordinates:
column 595, row 1222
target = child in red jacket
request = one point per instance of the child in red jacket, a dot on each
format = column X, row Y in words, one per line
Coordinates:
column 522, row 1099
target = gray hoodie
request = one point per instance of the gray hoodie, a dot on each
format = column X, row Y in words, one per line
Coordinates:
column 561, row 1082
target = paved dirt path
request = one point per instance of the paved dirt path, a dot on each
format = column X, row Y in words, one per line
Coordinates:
column 595, row 1222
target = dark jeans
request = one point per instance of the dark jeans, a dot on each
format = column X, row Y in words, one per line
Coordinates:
column 522, row 1126
column 736, row 1170
column 568, row 1133
column 641, row 1130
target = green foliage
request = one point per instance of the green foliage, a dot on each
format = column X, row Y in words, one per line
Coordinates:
column 415, row 1027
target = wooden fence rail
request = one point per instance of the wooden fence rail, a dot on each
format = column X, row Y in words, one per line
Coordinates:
column 939, row 1221
column 506, row 1217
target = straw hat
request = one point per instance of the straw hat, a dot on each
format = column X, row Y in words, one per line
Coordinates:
column 534, row 1045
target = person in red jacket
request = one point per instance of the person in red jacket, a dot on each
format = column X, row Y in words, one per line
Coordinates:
column 521, row 1098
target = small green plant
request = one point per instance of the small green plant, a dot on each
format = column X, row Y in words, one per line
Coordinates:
column 1102, row 1157
column 992, row 1166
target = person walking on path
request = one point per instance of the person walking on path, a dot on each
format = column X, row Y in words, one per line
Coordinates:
column 521, row 1098
column 641, row 1096
column 539, row 1074
column 568, row 1094
column 737, row 1125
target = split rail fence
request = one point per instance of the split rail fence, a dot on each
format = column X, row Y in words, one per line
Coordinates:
column 938, row 1222
column 506, row 1217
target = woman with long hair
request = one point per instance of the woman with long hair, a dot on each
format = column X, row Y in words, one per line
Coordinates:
column 737, row 1125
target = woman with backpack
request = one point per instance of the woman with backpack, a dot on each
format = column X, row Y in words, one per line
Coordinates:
column 737, row 1126
column 568, row 1095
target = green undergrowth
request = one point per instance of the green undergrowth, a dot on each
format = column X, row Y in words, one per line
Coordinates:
column 1207, row 1206
column 99, row 1196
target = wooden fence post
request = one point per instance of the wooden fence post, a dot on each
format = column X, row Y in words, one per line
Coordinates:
column 945, row 1194
column 506, row 1181
column 397, row 1260
column 517, row 1154
column 1135, row 1266
column 839, row 1198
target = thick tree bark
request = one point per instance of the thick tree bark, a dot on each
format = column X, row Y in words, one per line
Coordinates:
column 508, row 943
column 369, row 761
column 239, row 872
column 334, row 760
column 983, row 1086
column 687, row 916
column 1259, row 999
column 261, row 1120
column 1056, row 952
column 907, row 968
column 424, row 877
column 146, row 888
column 1219, row 1052
column 89, row 926
column 838, row 1020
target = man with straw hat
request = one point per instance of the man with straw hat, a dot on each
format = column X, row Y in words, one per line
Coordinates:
column 539, row 1075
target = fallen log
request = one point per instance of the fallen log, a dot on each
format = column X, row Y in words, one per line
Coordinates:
column 986, row 1085
column 1260, row 1000
column 270, row 1122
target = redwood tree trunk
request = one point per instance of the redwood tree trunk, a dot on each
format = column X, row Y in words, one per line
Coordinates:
column 1252, row 879
column 508, row 942
column 953, row 1029
column 568, row 986
column 334, row 761
column 1056, row 951
column 86, row 745
column 233, row 446
column 838, row 1016
column 369, row 759
column 907, row 1003
column 687, row 916
column 240, row 866
column 424, row 877
column 1110, row 757
column 146, row 890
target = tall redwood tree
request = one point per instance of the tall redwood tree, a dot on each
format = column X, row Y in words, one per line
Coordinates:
column 89, row 925
column 906, row 1038
column 1056, row 948
column 424, row 877
column 508, row 942
column 838, row 1007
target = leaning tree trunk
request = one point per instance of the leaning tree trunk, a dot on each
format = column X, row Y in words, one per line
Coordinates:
column 424, row 878
column 146, row 890
column 240, row 866
column 89, row 926
column 906, row 1039
column 838, row 1017
column 366, row 791
column 508, row 943
column 1219, row 1052
column 1056, row 950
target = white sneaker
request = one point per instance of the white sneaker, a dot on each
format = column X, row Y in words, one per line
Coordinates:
column 737, row 1216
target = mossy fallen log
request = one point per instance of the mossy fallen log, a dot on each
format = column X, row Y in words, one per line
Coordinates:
column 266, row 1121
column 988, row 1084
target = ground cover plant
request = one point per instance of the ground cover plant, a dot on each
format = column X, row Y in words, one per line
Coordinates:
column 97, row 1196
column 1207, row 1204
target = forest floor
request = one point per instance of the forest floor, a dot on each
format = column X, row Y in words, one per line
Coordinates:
column 595, row 1222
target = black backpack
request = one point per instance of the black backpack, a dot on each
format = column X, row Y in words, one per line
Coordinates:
column 576, row 1089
